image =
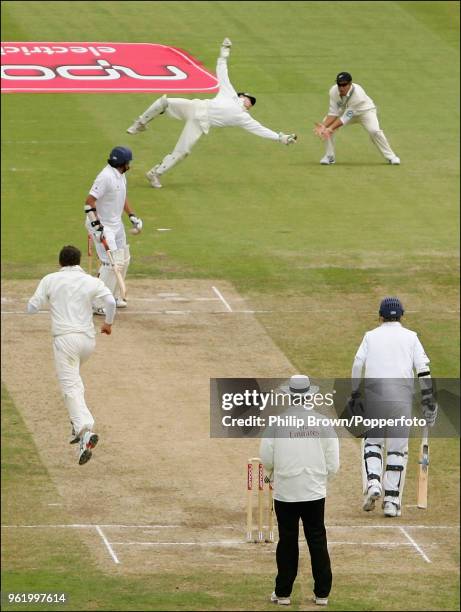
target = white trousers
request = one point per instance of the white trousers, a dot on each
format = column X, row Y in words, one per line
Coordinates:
column 369, row 120
column 192, row 112
column 70, row 351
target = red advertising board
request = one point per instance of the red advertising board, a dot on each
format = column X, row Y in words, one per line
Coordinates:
column 67, row 67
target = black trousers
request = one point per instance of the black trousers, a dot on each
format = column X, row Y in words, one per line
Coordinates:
column 312, row 515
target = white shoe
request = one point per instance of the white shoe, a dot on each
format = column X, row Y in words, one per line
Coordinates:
column 121, row 303
column 154, row 178
column 370, row 498
column 99, row 310
column 391, row 509
column 327, row 160
column 138, row 126
column 87, row 443
column 394, row 161
column 320, row 601
column 281, row 601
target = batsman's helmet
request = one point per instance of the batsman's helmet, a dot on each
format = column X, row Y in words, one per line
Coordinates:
column 391, row 308
column 120, row 156
column 247, row 95
column 343, row 77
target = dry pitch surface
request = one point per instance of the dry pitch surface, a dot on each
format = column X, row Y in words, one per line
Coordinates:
column 159, row 494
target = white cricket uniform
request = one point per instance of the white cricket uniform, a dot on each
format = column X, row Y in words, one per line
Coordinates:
column 357, row 107
column 301, row 466
column 109, row 189
column 226, row 109
column 389, row 351
column 70, row 293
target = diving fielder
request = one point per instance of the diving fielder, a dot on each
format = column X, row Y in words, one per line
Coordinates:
column 70, row 293
column 387, row 352
column 107, row 200
column 350, row 104
column 227, row 109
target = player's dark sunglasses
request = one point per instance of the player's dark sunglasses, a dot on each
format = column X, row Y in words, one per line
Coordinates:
column 342, row 84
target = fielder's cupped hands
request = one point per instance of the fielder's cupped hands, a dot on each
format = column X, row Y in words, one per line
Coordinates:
column 322, row 131
column 106, row 329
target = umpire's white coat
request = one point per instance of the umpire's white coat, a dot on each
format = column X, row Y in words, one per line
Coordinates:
column 301, row 466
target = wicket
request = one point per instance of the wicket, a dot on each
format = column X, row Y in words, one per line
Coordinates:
column 270, row 505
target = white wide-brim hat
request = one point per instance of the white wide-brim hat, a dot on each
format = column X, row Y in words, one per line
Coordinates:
column 299, row 385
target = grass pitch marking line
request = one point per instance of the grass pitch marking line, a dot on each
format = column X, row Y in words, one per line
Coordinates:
column 221, row 297
column 117, row 526
column 418, row 548
column 107, row 543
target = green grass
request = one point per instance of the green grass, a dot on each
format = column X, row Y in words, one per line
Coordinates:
column 265, row 217
column 33, row 564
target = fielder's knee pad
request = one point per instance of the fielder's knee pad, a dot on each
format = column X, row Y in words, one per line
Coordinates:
column 372, row 465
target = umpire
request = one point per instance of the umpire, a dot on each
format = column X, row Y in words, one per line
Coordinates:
column 301, row 462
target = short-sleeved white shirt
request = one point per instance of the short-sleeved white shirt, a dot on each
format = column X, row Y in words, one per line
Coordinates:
column 353, row 104
column 109, row 189
column 70, row 294
column 391, row 351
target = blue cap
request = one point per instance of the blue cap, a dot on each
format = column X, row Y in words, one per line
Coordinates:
column 391, row 308
column 119, row 156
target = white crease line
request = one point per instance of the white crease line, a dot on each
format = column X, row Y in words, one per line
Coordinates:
column 107, row 543
column 352, row 526
column 90, row 526
column 117, row 526
column 220, row 296
column 211, row 312
column 244, row 543
column 418, row 548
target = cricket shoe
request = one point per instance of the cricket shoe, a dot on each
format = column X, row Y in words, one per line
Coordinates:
column 99, row 310
column 327, row 160
column 87, row 443
column 154, row 178
column 121, row 303
column 320, row 601
column 281, row 601
column 370, row 498
column 391, row 510
column 394, row 161
column 138, row 126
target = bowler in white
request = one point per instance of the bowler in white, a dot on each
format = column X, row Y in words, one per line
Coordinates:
column 69, row 294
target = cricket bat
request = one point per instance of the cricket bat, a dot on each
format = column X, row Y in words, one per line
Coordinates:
column 423, row 470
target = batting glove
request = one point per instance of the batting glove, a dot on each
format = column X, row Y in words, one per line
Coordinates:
column 354, row 404
column 225, row 48
column 287, row 139
column 430, row 408
column 98, row 230
column 136, row 223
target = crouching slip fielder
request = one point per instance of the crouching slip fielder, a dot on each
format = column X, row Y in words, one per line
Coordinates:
column 104, row 207
column 227, row 109
column 390, row 351
column 350, row 104
column 70, row 293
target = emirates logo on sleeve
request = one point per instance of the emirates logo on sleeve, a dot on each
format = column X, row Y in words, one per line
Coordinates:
column 57, row 67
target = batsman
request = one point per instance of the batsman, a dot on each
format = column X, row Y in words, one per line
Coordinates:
column 390, row 354
column 104, row 207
